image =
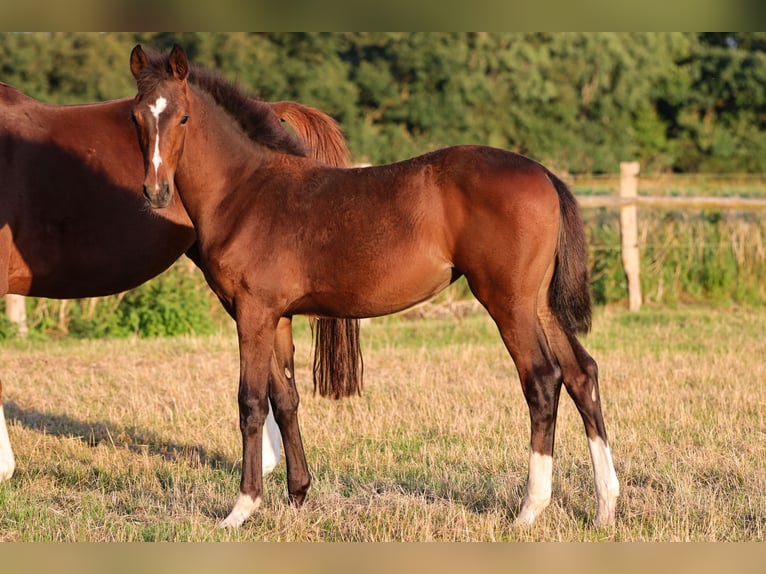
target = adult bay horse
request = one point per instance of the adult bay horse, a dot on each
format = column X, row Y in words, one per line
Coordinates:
column 71, row 202
column 281, row 234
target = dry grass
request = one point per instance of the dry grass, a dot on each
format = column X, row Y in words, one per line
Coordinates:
column 137, row 439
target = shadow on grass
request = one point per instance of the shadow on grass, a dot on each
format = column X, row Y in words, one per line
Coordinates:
column 105, row 432
column 485, row 495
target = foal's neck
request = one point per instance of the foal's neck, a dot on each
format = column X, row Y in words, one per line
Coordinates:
column 217, row 154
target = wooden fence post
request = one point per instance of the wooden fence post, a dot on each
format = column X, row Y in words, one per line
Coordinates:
column 16, row 311
column 629, row 232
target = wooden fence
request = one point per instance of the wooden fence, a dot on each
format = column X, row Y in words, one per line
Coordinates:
column 626, row 200
column 16, row 311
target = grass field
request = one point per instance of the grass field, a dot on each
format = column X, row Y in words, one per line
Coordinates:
column 131, row 440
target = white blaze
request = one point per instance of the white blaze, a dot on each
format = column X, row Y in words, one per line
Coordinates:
column 156, row 109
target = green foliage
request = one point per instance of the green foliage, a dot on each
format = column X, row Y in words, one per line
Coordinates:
column 608, row 283
column 175, row 303
column 8, row 330
column 685, row 256
column 579, row 102
column 67, row 67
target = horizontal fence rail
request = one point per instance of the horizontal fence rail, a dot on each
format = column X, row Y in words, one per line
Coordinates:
column 745, row 203
column 628, row 201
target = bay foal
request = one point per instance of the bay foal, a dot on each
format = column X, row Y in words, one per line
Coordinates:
column 282, row 234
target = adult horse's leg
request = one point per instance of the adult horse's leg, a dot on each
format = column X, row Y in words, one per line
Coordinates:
column 256, row 330
column 272, row 443
column 581, row 381
column 283, row 395
column 7, row 461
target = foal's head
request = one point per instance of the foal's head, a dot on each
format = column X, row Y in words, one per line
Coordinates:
column 160, row 112
column 162, row 108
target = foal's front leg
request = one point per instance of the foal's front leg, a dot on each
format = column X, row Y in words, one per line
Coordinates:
column 283, row 396
column 256, row 345
column 282, row 366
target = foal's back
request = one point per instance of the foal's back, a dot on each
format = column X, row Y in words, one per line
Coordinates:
column 375, row 240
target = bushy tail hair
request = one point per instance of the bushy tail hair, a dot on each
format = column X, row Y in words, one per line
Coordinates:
column 338, row 365
column 569, row 293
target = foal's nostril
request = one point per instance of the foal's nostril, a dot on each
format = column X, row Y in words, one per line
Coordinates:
column 158, row 195
column 164, row 193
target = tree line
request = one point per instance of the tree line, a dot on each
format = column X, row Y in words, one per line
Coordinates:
column 579, row 102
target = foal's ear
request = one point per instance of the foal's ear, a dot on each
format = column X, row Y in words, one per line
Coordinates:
column 138, row 60
column 178, row 63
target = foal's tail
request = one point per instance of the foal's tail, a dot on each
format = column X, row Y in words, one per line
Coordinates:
column 569, row 293
column 338, row 362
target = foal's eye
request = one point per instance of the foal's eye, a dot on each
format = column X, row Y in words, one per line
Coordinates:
column 184, row 119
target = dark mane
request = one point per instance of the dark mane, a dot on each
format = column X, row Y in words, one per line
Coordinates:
column 256, row 118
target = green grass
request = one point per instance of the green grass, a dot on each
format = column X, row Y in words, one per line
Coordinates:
column 137, row 440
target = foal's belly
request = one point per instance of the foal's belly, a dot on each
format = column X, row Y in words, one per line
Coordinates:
column 370, row 293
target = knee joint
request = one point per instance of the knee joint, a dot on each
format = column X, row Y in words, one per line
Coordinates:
column 285, row 407
column 252, row 411
column 585, row 383
column 541, row 388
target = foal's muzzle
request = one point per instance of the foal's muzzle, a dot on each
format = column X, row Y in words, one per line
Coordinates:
column 160, row 196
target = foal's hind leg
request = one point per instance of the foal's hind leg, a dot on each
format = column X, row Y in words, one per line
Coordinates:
column 541, row 381
column 581, row 380
column 284, row 397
